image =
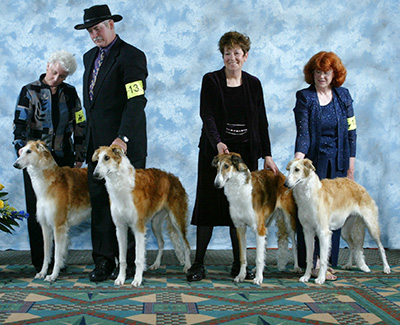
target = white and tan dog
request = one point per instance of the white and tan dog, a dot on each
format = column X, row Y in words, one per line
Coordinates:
column 255, row 200
column 138, row 196
column 62, row 201
column 330, row 204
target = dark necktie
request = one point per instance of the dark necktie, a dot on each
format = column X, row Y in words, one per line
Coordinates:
column 95, row 72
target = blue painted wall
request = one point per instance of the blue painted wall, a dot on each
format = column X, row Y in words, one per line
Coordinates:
column 180, row 40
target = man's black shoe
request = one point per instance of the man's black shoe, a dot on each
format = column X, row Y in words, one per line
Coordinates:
column 102, row 271
column 130, row 272
column 196, row 273
column 236, row 269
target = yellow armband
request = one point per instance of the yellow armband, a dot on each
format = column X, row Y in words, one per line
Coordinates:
column 134, row 89
column 80, row 117
column 351, row 121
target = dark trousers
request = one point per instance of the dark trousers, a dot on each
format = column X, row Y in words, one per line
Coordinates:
column 34, row 228
column 104, row 238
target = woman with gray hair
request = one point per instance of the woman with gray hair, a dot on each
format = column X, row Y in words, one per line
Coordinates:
column 50, row 110
column 65, row 59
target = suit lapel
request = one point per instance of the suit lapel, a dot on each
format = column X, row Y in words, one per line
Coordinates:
column 105, row 68
column 88, row 74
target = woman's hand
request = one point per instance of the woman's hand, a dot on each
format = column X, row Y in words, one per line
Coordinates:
column 222, row 148
column 299, row 155
column 270, row 164
column 350, row 172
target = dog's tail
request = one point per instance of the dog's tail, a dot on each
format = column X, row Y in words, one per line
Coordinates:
column 283, row 241
column 178, row 219
column 176, row 241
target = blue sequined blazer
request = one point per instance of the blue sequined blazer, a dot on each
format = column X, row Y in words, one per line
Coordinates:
column 308, row 116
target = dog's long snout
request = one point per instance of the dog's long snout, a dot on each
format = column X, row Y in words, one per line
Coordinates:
column 218, row 181
column 217, row 184
column 286, row 184
column 96, row 175
column 17, row 165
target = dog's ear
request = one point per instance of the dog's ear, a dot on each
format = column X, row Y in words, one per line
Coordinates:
column 95, row 156
column 290, row 164
column 238, row 162
column 214, row 162
column 40, row 146
column 117, row 150
column 308, row 164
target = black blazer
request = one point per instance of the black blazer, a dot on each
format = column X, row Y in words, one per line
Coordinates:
column 213, row 114
column 112, row 113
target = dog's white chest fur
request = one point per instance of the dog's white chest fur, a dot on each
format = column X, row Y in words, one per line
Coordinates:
column 239, row 195
column 120, row 192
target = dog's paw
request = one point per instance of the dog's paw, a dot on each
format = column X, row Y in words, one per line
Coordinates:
column 186, row 268
column 136, row 282
column 155, row 266
column 297, row 269
column 320, row 280
column 239, row 278
column 119, row 281
column 50, row 278
column 304, row 279
column 40, row 275
column 386, row 269
column 258, row 280
column 365, row 268
column 347, row 267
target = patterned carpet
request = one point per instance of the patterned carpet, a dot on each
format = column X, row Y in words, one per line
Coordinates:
column 167, row 298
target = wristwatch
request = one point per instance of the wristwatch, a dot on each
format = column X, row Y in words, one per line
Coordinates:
column 124, row 138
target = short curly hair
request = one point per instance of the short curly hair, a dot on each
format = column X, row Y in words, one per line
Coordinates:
column 231, row 39
column 65, row 59
column 325, row 61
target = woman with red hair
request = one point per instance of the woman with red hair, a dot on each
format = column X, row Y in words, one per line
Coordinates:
column 326, row 133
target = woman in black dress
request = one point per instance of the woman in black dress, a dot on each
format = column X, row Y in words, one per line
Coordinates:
column 234, row 120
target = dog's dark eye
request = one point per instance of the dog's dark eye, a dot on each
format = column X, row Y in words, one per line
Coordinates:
column 226, row 166
column 28, row 151
column 106, row 158
column 297, row 169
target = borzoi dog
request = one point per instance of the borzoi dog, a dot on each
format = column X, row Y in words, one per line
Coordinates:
column 255, row 199
column 62, row 201
column 138, row 196
column 330, row 204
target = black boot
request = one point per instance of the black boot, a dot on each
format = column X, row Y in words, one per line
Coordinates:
column 102, row 271
column 196, row 273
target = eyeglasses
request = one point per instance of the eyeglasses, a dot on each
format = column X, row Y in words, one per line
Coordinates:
column 325, row 74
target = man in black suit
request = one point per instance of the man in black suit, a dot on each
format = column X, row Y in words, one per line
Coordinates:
column 114, row 86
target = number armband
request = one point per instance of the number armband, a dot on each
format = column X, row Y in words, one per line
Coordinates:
column 80, row 117
column 134, row 89
column 351, row 121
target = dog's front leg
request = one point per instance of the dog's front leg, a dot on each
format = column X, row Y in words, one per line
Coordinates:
column 325, row 239
column 241, row 232
column 47, row 248
column 309, row 241
column 260, row 257
column 140, row 258
column 122, row 237
column 60, row 251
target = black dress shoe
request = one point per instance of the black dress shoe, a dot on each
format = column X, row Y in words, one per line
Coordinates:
column 130, row 272
column 196, row 273
column 102, row 271
column 236, row 269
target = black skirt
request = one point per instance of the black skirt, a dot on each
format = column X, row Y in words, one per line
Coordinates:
column 211, row 207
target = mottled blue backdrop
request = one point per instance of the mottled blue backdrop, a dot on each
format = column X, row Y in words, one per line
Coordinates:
column 180, row 40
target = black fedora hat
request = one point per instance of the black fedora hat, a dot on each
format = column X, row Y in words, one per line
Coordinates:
column 95, row 15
